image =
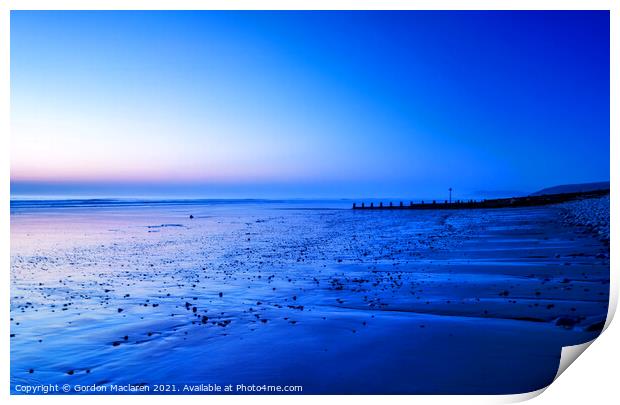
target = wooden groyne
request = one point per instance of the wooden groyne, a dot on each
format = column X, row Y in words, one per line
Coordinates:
column 476, row 204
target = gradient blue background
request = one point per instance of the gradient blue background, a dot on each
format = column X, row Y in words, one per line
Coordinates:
column 307, row 104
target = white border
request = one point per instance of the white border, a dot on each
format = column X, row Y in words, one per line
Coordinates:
column 592, row 381
column 309, row 5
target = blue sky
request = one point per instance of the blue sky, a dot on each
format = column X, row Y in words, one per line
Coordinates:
column 307, row 104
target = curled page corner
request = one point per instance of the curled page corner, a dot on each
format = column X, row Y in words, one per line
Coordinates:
column 569, row 355
column 613, row 303
column 526, row 396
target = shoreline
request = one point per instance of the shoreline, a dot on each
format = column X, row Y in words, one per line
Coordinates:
column 336, row 301
column 593, row 214
column 528, row 201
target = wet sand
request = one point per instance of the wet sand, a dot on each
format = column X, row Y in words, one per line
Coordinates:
column 335, row 300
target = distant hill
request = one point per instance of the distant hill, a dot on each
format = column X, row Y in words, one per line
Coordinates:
column 574, row 188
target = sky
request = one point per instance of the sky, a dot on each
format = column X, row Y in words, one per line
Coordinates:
column 208, row 104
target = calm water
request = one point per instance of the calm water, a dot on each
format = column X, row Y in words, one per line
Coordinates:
column 306, row 293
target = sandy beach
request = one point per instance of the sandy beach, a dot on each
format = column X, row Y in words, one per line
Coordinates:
column 303, row 293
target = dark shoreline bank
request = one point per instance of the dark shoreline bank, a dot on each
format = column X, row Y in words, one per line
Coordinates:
column 528, row 201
